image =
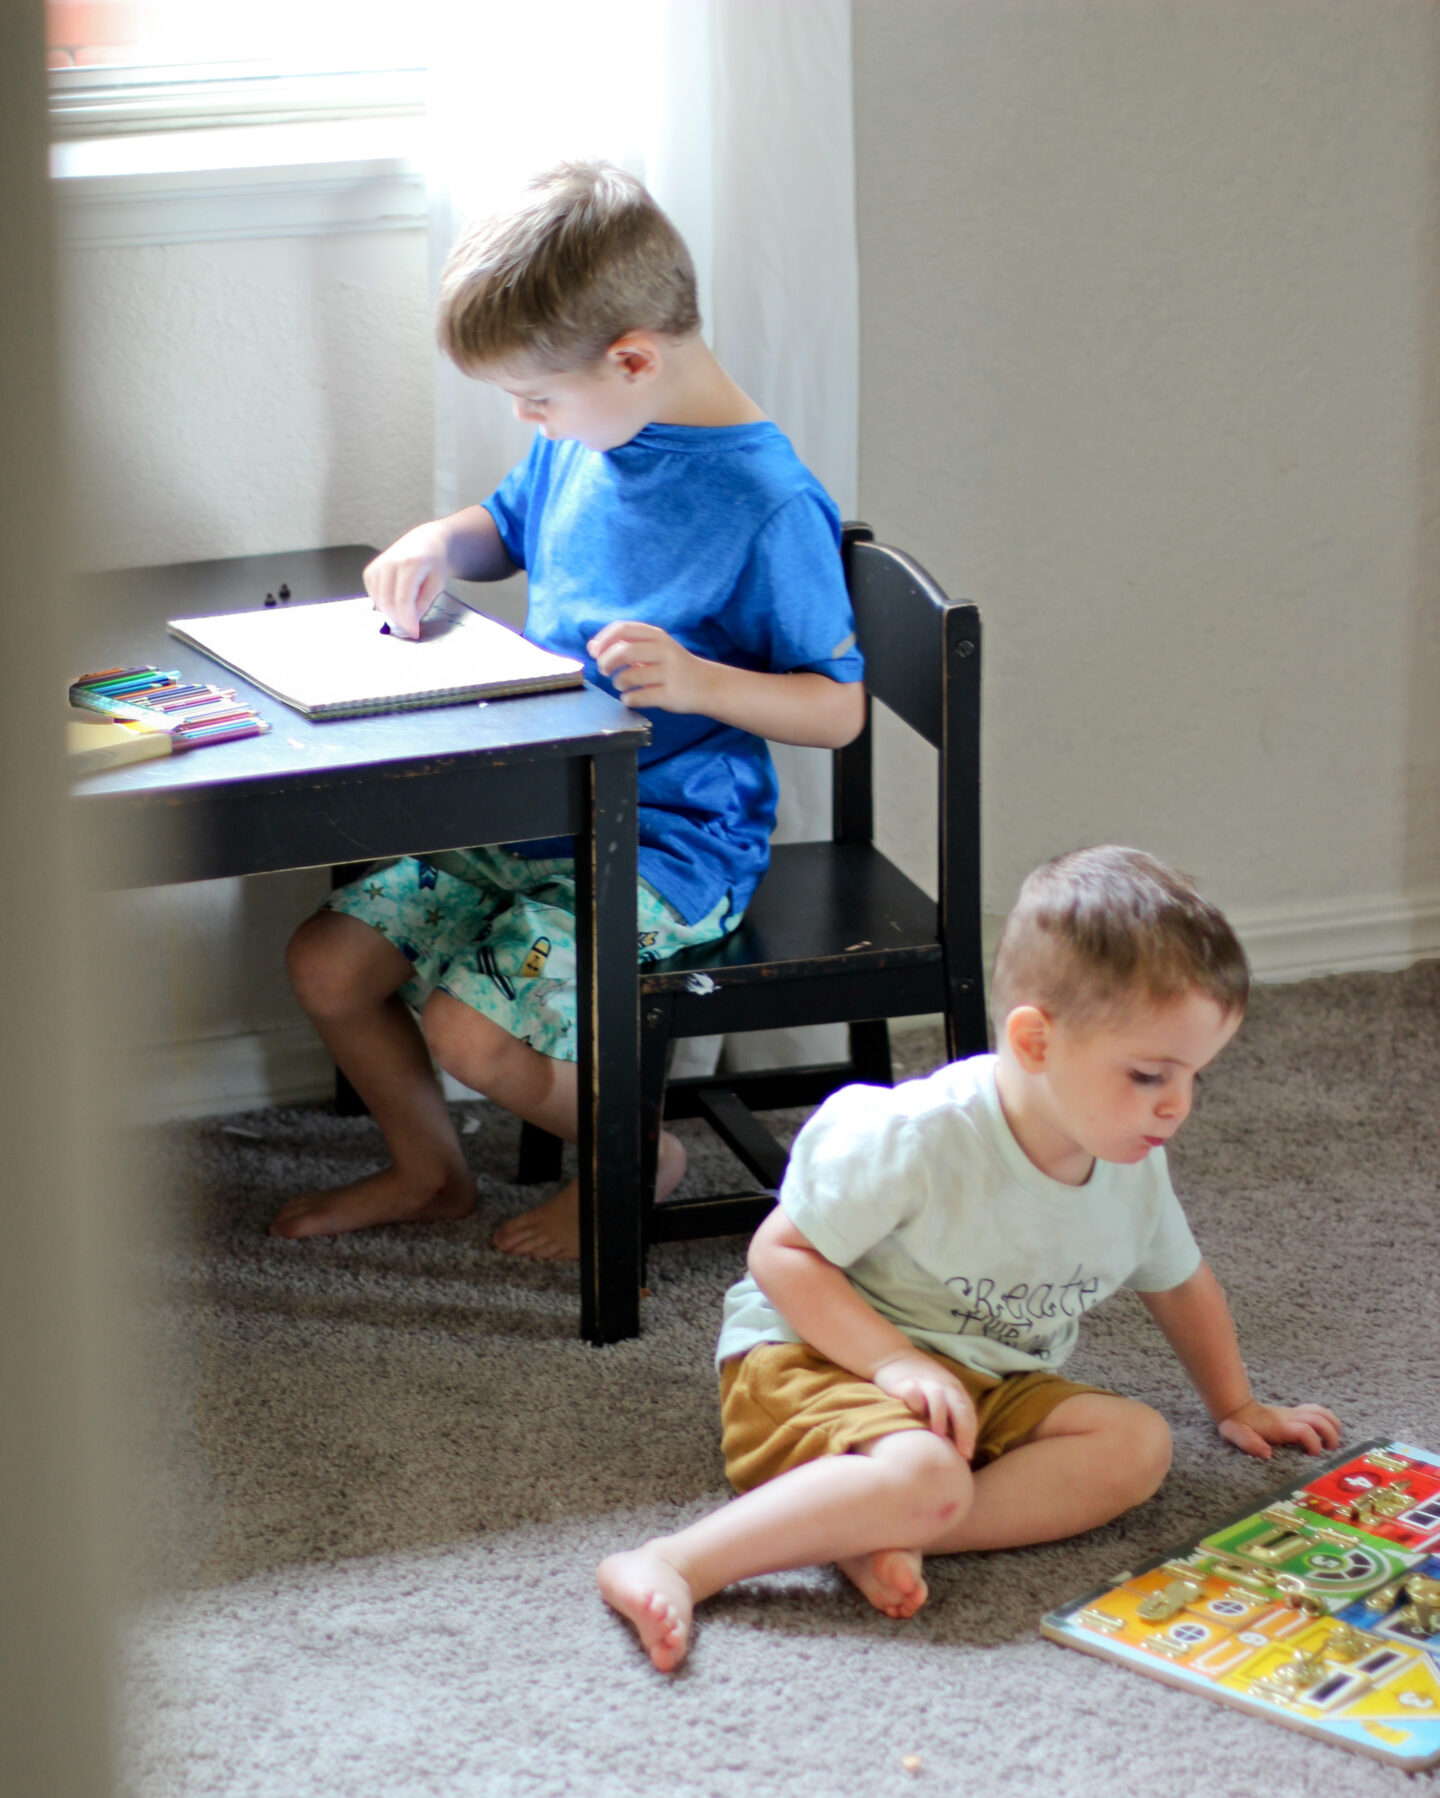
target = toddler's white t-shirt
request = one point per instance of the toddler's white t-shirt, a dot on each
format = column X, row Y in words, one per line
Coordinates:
column 922, row 1194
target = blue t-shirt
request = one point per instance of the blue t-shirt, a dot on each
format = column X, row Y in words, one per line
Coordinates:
column 720, row 536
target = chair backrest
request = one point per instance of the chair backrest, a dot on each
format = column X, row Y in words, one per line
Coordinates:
column 922, row 659
column 900, row 617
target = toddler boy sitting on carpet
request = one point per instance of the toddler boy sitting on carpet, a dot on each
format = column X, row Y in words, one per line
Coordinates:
column 888, row 1369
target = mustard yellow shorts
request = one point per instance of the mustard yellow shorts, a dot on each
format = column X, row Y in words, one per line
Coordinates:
column 782, row 1405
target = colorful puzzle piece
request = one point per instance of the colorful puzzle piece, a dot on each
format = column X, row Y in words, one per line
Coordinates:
column 1384, row 1493
column 1320, row 1610
column 1332, row 1562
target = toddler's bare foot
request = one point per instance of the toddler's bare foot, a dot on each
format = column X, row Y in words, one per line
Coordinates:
column 890, row 1578
column 383, row 1198
column 655, row 1596
column 551, row 1232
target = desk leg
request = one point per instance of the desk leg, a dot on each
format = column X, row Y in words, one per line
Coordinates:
column 609, row 1071
column 348, row 1103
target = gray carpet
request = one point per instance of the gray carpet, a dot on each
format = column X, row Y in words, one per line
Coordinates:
column 381, row 1470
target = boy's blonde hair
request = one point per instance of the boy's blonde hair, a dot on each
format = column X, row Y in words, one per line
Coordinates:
column 584, row 256
column 1098, row 929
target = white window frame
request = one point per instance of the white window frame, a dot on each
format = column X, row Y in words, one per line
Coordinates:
column 106, row 102
column 191, row 155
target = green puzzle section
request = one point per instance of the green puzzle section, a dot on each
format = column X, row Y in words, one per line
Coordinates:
column 1330, row 1561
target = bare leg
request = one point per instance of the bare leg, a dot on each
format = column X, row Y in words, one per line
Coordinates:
column 542, row 1091
column 1093, row 1458
column 1099, row 1459
column 347, row 976
column 907, row 1488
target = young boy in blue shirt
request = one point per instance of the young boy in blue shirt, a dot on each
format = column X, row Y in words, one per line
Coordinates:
column 677, row 546
column 889, row 1383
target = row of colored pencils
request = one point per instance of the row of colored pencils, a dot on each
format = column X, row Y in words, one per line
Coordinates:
column 191, row 713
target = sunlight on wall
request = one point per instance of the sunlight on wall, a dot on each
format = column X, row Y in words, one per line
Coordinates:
column 499, row 114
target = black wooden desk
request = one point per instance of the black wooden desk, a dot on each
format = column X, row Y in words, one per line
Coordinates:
column 315, row 794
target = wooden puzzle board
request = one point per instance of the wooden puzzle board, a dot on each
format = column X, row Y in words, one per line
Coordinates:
column 1320, row 1610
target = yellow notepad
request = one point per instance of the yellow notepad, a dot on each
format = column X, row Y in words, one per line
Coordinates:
column 330, row 659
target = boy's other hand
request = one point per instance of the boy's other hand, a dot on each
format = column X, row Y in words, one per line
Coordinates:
column 649, row 668
column 933, row 1393
column 403, row 580
column 1255, row 1427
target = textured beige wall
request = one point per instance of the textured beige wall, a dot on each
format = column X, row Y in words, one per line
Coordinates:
column 1150, row 358
column 234, row 398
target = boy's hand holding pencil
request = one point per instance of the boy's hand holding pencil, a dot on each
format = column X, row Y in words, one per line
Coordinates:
column 404, row 582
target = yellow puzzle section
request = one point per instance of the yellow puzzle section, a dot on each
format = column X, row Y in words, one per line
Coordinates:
column 1174, row 1609
column 1405, row 1690
column 1245, row 1643
column 1411, row 1694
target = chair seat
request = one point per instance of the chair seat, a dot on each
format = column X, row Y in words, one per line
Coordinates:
column 835, row 932
column 820, row 904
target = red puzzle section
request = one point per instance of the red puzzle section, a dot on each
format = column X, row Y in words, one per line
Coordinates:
column 1384, row 1493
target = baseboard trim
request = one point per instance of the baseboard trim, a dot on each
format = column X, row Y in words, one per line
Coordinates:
column 215, row 1075
column 222, row 1074
column 1303, row 941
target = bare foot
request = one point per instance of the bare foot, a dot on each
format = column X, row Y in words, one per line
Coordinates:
column 653, row 1595
column 890, row 1578
column 383, row 1198
column 551, row 1232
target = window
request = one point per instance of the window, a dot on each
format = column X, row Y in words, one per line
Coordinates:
column 149, row 65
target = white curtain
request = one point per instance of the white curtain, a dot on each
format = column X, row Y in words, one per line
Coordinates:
column 737, row 115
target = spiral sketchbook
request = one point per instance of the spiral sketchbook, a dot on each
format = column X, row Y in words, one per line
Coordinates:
column 331, row 659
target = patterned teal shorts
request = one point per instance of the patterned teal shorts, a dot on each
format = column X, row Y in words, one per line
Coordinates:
column 497, row 931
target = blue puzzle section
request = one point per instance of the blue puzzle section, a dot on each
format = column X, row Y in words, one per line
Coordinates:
column 1400, row 1616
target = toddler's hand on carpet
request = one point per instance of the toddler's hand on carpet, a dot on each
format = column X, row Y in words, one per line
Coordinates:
column 1255, row 1427
column 933, row 1393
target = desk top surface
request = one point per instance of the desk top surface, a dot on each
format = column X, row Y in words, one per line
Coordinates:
column 121, row 620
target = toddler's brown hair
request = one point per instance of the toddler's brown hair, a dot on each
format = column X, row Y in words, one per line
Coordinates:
column 1097, row 929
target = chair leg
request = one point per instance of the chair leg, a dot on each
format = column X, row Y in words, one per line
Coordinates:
column 967, row 1024
column 870, row 1052
column 655, row 1015
column 540, row 1154
column 348, row 1103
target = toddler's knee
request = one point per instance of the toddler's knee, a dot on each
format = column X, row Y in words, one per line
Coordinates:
column 932, row 1473
column 1142, row 1452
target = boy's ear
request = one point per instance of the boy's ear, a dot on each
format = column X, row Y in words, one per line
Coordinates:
column 637, row 355
column 1027, row 1034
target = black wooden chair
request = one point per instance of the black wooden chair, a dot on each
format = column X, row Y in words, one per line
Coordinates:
column 835, row 933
